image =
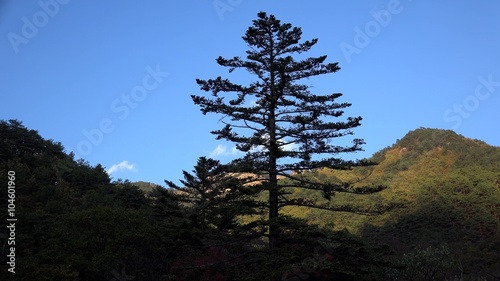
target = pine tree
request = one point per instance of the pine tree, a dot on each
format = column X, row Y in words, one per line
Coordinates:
column 213, row 198
column 291, row 129
column 213, row 203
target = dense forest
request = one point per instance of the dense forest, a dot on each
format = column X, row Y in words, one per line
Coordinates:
column 292, row 208
column 75, row 224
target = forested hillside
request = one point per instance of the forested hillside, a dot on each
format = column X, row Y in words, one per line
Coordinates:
column 74, row 224
column 446, row 191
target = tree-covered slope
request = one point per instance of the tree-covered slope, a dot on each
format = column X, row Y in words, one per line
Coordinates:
column 446, row 193
column 443, row 191
column 72, row 223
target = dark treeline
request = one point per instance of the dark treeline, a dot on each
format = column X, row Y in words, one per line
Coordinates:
column 75, row 224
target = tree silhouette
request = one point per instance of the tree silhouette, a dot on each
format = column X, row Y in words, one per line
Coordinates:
column 291, row 129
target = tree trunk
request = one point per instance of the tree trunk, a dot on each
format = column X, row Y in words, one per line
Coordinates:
column 273, row 156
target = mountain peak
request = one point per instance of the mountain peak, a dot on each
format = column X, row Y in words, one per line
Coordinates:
column 430, row 138
column 422, row 140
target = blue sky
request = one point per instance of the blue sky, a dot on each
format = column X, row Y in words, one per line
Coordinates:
column 111, row 80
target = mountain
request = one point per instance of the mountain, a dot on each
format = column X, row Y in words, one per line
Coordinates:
column 146, row 187
column 75, row 224
column 447, row 188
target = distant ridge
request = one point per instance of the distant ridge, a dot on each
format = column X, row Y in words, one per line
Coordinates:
column 146, row 187
column 468, row 151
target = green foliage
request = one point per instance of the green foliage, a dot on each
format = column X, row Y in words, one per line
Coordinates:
column 229, row 245
column 215, row 199
column 447, row 197
column 213, row 203
column 96, row 241
column 73, row 223
column 426, row 265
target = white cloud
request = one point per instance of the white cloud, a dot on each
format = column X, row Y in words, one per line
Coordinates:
column 219, row 150
column 293, row 146
column 124, row 165
column 222, row 150
column 234, row 150
column 290, row 147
